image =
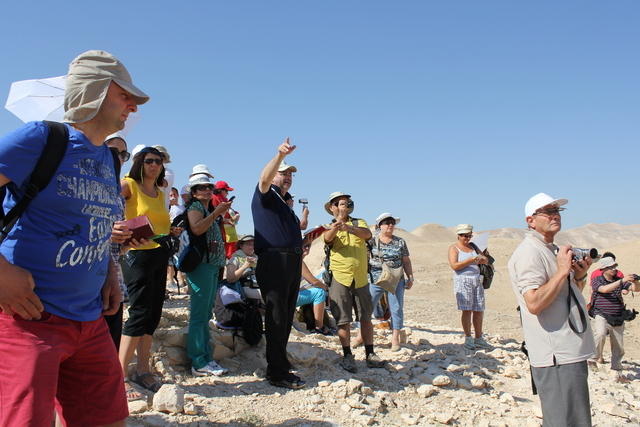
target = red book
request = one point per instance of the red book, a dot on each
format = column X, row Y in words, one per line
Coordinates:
column 141, row 228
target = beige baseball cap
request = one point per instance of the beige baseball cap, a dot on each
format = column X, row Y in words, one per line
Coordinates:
column 464, row 228
column 285, row 167
column 88, row 80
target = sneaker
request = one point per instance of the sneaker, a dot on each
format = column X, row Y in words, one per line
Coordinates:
column 348, row 363
column 469, row 343
column 481, row 343
column 211, row 368
column 373, row 361
column 290, row 381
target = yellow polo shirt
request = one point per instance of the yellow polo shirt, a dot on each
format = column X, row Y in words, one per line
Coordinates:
column 348, row 257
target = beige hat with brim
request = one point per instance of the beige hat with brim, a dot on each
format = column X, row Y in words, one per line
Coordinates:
column 332, row 196
column 464, row 228
column 606, row 262
column 285, row 167
column 165, row 153
column 88, row 80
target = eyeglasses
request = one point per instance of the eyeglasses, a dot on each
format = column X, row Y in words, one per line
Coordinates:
column 124, row 155
column 548, row 211
column 467, row 235
column 203, row 187
column 152, row 161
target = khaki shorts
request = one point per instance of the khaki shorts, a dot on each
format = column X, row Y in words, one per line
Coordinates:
column 341, row 299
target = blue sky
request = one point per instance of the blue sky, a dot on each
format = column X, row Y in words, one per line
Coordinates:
column 440, row 112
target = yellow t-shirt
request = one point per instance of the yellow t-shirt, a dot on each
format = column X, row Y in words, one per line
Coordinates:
column 348, row 258
column 153, row 207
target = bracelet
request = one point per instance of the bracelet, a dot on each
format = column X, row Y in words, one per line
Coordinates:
column 581, row 278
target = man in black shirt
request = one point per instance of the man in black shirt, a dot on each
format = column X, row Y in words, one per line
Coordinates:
column 278, row 244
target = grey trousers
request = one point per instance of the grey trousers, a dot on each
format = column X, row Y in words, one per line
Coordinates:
column 564, row 394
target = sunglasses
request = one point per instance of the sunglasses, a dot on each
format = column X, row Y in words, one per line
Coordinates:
column 203, row 187
column 468, row 235
column 124, row 155
column 549, row 211
column 389, row 221
column 152, row 161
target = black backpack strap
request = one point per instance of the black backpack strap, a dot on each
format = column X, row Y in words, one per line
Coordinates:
column 52, row 154
column 116, row 162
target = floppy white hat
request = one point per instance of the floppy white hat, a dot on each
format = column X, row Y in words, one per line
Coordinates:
column 541, row 200
column 606, row 262
column 332, row 196
column 384, row 216
column 199, row 179
column 201, row 169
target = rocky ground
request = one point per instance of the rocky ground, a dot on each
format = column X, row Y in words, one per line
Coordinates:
column 432, row 381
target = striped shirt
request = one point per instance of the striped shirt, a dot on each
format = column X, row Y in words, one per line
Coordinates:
column 610, row 303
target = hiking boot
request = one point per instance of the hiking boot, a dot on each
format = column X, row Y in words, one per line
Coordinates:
column 373, row 361
column 348, row 363
column 469, row 343
column 482, row 344
column 290, row 381
column 211, row 368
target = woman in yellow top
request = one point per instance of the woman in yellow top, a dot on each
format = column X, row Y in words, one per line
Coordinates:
column 145, row 267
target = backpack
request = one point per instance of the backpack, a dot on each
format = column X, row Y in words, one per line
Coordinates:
column 191, row 249
column 46, row 166
column 486, row 270
column 234, row 311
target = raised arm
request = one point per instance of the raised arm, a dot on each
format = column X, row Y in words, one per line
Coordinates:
column 271, row 169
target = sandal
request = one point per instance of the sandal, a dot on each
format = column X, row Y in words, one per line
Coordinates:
column 324, row 331
column 147, row 381
column 132, row 393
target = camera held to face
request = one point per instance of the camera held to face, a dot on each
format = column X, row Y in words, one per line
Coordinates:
column 579, row 254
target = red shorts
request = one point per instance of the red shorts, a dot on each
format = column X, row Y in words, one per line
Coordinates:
column 55, row 361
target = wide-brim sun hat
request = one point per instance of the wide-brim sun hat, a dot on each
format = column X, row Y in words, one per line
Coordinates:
column 541, row 200
column 165, row 153
column 285, row 167
column 384, row 216
column 201, row 169
column 464, row 228
column 332, row 196
column 88, row 79
column 606, row 262
column 199, row 179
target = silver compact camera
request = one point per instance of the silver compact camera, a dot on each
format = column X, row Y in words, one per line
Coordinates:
column 579, row 254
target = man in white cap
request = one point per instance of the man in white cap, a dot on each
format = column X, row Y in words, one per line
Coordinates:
column 278, row 244
column 548, row 282
column 607, row 307
column 57, row 279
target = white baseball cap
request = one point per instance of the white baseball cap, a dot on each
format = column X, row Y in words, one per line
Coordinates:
column 541, row 200
column 384, row 216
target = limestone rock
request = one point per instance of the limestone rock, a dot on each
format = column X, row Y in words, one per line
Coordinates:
column 339, row 384
column 444, row 417
column 614, row 409
column 507, row 398
column 409, row 419
column 303, row 354
column 138, row 406
column 324, row 383
column 190, row 409
column 170, row 398
column 537, row 411
column 441, row 381
column 426, row 390
column 511, row 372
column 353, row 386
column 478, row 383
column 176, row 355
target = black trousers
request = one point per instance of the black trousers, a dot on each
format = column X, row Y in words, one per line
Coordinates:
column 278, row 275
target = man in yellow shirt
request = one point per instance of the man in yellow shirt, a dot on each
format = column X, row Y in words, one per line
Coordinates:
column 347, row 237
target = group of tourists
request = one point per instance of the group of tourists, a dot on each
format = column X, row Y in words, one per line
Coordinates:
column 77, row 240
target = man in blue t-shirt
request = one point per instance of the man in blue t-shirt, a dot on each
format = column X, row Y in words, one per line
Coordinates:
column 278, row 244
column 57, row 279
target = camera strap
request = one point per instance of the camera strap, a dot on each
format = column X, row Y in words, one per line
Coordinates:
column 583, row 317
